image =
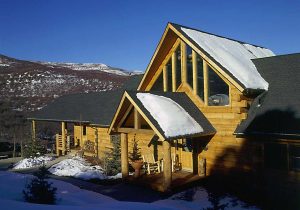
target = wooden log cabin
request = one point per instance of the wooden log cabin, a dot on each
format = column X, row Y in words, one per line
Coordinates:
column 209, row 99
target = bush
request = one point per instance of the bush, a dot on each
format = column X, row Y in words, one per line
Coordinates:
column 34, row 149
column 113, row 158
column 39, row 190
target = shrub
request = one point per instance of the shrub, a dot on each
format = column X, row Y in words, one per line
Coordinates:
column 39, row 190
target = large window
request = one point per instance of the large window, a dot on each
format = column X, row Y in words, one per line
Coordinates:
column 169, row 75
column 189, row 65
column 200, row 77
column 218, row 90
column 178, row 66
column 158, row 85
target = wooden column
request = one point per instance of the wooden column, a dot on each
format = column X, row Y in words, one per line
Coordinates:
column 124, row 155
column 63, row 137
column 183, row 62
column 206, row 82
column 57, row 143
column 167, row 165
column 33, row 130
column 195, row 73
column 137, row 119
column 165, row 77
column 174, row 65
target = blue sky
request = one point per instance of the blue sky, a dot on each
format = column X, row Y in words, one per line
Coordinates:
column 125, row 33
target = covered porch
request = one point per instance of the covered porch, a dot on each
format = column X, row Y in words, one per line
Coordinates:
column 133, row 120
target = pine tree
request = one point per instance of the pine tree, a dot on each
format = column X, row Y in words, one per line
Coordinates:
column 136, row 153
column 113, row 158
column 34, row 149
column 39, row 190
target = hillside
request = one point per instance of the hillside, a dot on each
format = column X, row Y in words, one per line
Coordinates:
column 31, row 85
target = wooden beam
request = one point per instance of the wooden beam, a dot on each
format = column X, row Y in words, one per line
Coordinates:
column 57, row 143
column 124, row 155
column 160, row 68
column 206, row 82
column 125, row 116
column 132, row 130
column 183, row 62
column 165, row 77
column 137, row 119
column 167, row 170
column 195, row 73
column 63, row 137
column 174, row 66
column 33, row 130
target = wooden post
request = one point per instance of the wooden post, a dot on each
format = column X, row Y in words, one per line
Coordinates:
column 63, row 137
column 124, row 155
column 195, row 73
column 165, row 77
column 137, row 119
column 33, row 130
column 167, row 165
column 57, row 143
column 183, row 63
column 206, row 82
column 174, row 65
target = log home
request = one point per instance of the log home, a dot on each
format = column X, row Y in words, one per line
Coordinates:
column 214, row 104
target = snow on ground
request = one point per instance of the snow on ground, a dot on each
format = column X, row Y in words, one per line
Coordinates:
column 74, row 198
column 234, row 56
column 79, row 168
column 170, row 116
column 32, row 162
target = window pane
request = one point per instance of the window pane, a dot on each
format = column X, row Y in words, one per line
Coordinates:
column 275, row 156
column 189, row 65
column 169, row 70
column 295, row 157
column 200, row 77
column 178, row 66
column 158, row 84
column 218, row 90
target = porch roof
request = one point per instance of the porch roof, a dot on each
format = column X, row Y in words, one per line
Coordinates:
column 181, row 99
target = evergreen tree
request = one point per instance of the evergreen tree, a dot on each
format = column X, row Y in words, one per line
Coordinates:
column 136, row 153
column 113, row 158
column 34, row 149
column 39, row 190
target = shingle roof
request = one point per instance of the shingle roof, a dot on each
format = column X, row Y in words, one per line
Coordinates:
column 185, row 102
column 277, row 111
column 93, row 108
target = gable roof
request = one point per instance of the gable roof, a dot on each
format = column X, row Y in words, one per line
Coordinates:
column 92, row 108
column 276, row 111
column 232, row 56
column 181, row 99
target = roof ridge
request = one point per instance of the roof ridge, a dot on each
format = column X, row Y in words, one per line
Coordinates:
column 276, row 56
column 224, row 37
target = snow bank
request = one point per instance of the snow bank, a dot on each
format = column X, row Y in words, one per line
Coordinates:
column 79, row 168
column 71, row 197
column 234, row 56
column 171, row 117
column 32, row 162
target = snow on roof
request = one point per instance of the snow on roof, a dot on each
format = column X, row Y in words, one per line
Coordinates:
column 234, row 56
column 171, row 117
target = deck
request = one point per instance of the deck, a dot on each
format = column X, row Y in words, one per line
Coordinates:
column 180, row 180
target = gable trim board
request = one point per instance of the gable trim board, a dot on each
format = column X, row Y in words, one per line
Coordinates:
column 177, row 29
column 180, row 98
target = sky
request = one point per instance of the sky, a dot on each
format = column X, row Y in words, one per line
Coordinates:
column 125, row 33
